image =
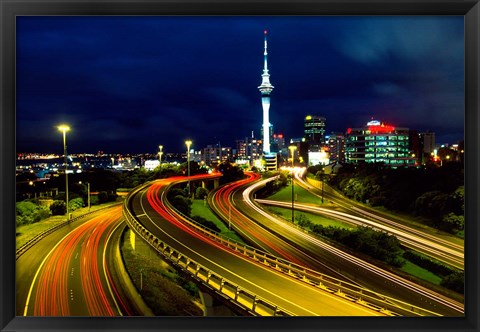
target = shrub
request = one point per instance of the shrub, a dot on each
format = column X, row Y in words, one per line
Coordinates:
column 75, row 203
column 182, row 204
column 206, row 223
column 455, row 281
column 58, row 208
column 28, row 212
column 201, row 193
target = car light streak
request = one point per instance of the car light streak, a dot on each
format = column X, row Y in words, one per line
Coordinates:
column 55, row 282
column 422, row 291
column 447, row 247
column 155, row 199
column 405, row 238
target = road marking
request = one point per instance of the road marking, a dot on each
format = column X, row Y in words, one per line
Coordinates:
column 326, row 295
column 105, row 270
column 40, row 267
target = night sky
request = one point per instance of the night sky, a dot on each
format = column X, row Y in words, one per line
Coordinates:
column 129, row 84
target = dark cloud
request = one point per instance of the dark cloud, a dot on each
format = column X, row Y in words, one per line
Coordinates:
column 128, row 84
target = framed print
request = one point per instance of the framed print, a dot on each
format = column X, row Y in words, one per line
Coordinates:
column 250, row 165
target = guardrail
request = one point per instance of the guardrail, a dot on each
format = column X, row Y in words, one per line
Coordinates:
column 27, row 245
column 354, row 293
column 226, row 288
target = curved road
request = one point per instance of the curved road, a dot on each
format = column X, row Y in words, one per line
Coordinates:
column 364, row 273
column 73, row 279
column 431, row 245
column 149, row 208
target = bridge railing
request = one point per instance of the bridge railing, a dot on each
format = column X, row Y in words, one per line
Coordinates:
column 226, row 288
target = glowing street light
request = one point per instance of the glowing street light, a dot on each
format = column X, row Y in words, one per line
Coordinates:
column 188, row 143
column 160, row 153
column 64, row 129
column 292, row 150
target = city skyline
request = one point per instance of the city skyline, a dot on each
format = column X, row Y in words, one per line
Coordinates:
column 129, row 84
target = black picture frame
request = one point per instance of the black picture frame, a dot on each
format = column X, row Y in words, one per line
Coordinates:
column 9, row 9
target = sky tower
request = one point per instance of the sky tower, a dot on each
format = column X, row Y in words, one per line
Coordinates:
column 266, row 88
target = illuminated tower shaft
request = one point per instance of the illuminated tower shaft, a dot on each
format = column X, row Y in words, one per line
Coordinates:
column 265, row 89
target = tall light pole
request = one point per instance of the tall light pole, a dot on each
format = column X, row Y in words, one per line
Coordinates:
column 323, row 181
column 160, row 153
column 292, row 150
column 188, row 143
column 64, row 129
column 88, row 194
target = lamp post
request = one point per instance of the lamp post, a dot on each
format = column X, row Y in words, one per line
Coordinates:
column 188, row 143
column 88, row 194
column 292, row 150
column 160, row 153
column 323, row 181
column 64, row 129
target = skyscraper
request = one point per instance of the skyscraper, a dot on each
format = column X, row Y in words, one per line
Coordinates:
column 265, row 89
column 314, row 132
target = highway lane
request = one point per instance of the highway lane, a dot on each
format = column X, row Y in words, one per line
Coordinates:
column 436, row 246
column 222, row 203
column 405, row 238
column 363, row 273
column 73, row 279
column 148, row 205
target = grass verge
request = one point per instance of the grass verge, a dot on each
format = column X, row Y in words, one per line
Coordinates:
column 408, row 268
column 200, row 209
column 161, row 287
column 421, row 273
column 25, row 233
column 314, row 218
column 301, row 196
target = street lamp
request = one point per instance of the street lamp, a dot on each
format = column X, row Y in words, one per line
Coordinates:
column 188, row 143
column 64, row 129
column 292, row 150
column 160, row 153
column 323, row 181
column 88, row 194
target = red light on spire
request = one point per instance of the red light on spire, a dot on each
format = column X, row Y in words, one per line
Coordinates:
column 265, row 31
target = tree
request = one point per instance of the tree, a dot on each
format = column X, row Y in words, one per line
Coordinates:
column 58, row 208
column 451, row 222
column 230, row 172
column 182, row 204
column 201, row 193
column 102, row 197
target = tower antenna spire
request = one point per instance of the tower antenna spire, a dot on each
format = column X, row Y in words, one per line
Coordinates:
column 265, row 53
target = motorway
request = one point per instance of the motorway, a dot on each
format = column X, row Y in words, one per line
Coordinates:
column 222, row 203
column 362, row 272
column 149, row 207
column 76, row 276
column 439, row 247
